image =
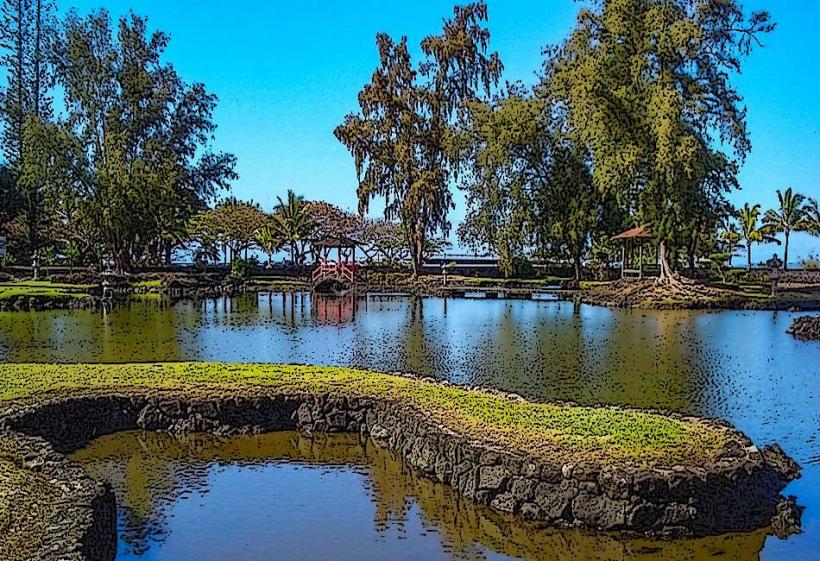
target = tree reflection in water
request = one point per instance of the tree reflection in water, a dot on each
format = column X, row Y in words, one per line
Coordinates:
column 151, row 472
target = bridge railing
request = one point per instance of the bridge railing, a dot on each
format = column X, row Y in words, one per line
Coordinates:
column 332, row 270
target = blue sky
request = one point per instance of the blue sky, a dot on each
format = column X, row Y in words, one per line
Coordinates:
column 287, row 71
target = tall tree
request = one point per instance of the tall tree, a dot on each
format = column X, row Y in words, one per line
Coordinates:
column 504, row 143
column 751, row 232
column 528, row 184
column 144, row 132
column 791, row 215
column 400, row 140
column 26, row 36
column 15, row 42
column 647, row 88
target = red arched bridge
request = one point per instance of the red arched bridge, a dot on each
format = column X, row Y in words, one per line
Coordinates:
column 339, row 275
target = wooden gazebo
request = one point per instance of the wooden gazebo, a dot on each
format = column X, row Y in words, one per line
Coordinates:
column 629, row 240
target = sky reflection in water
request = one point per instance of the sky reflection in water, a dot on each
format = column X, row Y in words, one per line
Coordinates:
column 737, row 365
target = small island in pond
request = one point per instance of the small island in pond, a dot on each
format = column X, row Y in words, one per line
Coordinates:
column 599, row 468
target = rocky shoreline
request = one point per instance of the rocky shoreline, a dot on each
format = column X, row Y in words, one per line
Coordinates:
column 24, row 303
column 647, row 294
column 806, row 328
column 739, row 491
column 83, row 524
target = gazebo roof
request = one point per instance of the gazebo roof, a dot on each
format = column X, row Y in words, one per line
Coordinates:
column 641, row 232
column 333, row 242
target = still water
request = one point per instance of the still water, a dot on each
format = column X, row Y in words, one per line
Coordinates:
column 741, row 366
column 282, row 496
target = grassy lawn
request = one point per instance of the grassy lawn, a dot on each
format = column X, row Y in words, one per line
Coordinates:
column 153, row 283
column 44, row 289
column 559, row 432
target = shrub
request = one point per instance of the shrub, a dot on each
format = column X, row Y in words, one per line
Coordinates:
column 522, row 268
column 243, row 269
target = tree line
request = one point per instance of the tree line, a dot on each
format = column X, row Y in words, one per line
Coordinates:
column 233, row 228
column 634, row 120
column 120, row 171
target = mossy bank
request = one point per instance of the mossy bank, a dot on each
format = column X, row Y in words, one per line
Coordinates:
column 600, row 468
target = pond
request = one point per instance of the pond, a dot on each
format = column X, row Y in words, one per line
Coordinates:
column 284, row 496
column 737, row 365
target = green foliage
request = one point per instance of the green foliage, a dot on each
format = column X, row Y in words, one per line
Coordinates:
column 243, row 268
column 528, row 185
column 136, row 139
column 750, row 232
column 522, row 267
column 269, row 240
column 503, row 141
column 232, row 223
column 293, row 225
column 27, row 32
column 401, row 141
column 793, row 214
column 812, row 222
column 646, row 86
column 385, row 241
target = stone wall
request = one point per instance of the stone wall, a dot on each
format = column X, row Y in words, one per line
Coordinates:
column 740, row 491
column 801, row 276
column 83, row 526
column 24, row 303
column 806, row 328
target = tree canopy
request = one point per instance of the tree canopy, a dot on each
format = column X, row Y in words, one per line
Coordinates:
column 400, row 139
column 647, row 88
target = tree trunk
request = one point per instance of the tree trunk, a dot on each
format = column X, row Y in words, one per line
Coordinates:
column 786, row 252
column 21, row 79
column 665, row 275
column 693, row 249
column 749, row 256
column 579, row 270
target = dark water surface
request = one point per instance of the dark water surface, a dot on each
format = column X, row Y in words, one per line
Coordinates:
column 740, row 366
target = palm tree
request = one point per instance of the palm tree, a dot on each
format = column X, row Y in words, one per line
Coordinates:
column 813, row 217
column 750, row 233
column 292, row 222
column 791, row 216
column 268, row 238
column 730, row 241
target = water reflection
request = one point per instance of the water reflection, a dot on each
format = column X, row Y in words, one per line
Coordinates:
column 288, row 494
column 737, row 365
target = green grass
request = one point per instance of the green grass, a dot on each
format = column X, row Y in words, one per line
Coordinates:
column 154, row 283
column 560, row 432
column 44, row 289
